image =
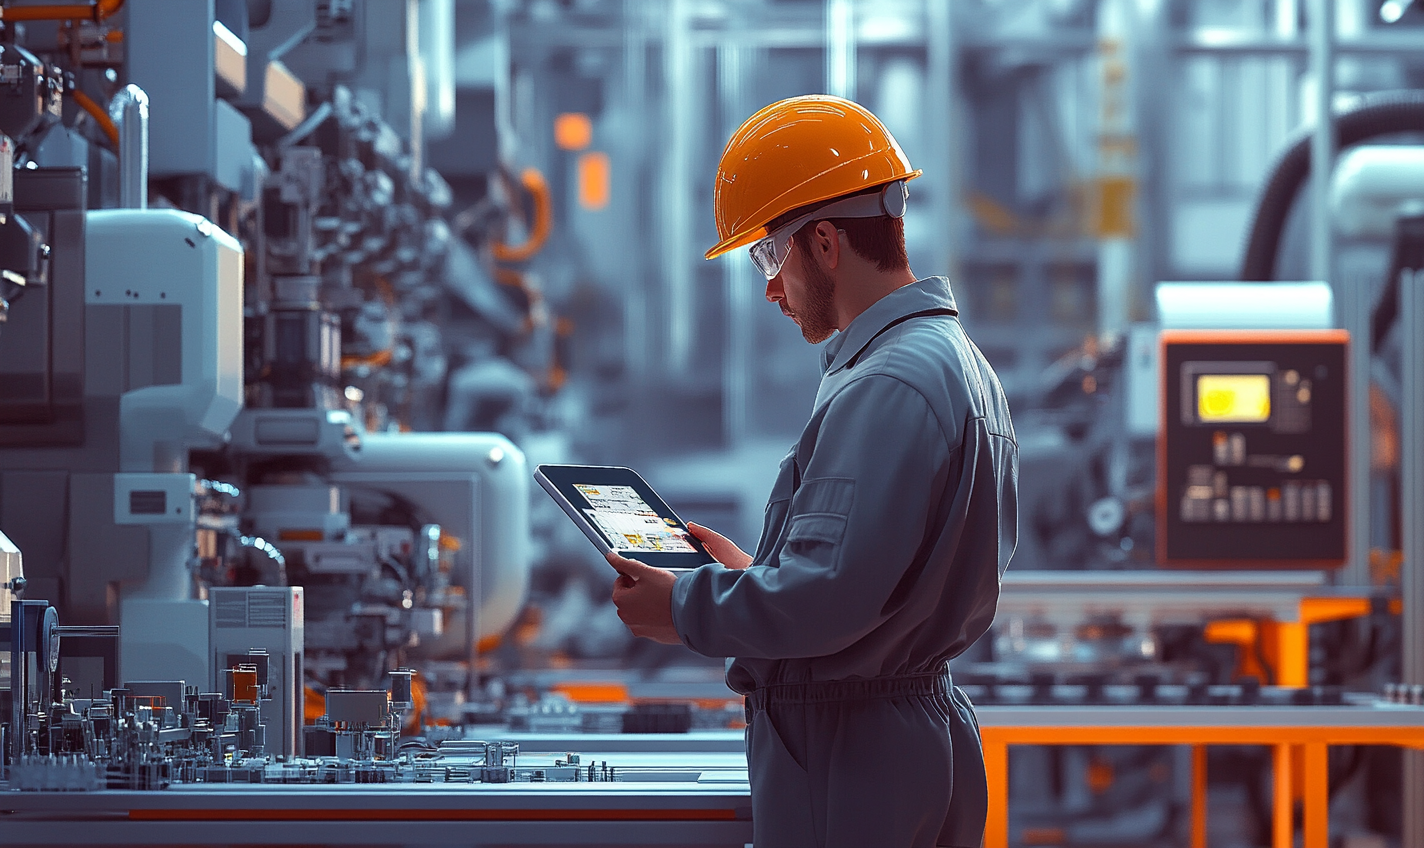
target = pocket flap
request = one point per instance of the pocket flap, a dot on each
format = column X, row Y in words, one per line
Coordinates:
column 824, row 495
column 817, row 528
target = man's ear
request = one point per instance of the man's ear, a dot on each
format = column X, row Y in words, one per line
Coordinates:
column 828, row 244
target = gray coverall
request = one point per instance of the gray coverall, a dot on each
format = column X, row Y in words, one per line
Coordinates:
column 885, row 536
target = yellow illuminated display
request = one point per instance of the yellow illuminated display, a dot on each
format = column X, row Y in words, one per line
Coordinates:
column 1233, row 397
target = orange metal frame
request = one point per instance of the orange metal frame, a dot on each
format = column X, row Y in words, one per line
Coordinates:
column 1304, row 748
column 1287, row 643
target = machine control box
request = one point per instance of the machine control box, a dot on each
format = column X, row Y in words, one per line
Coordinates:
column 1251, row 468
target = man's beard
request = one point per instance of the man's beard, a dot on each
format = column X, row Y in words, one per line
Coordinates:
column 818, row 317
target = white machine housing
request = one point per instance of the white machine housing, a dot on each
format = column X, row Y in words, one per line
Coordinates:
column 167, row 258
column 269, row 619
column 476, row 487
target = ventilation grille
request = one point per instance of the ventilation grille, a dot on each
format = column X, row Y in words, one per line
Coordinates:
column 250, row 609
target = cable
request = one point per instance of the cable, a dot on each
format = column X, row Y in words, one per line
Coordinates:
column 305, row 128
column 99, row 115
column 375, row 360
column 1379, row 114
column 270, row 551
column 538, row 188
column 95, row 12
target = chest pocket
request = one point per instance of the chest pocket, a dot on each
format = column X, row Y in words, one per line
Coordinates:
column 778, row 505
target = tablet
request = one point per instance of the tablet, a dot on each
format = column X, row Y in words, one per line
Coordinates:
column 618, row 511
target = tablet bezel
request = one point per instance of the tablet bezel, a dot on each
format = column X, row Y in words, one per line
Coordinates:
column 559, row 480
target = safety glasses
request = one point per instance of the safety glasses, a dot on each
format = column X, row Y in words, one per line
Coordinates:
column 770, row 253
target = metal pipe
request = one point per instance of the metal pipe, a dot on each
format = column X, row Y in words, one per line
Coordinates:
column 1322, row 142
column 942, row 114
column 1351, row 302
column 1411, row 315
column 437, row 55
column 677, row 196
column 735, row 67
column 840, row 48
column 637, row 344
column 1117, row 168
column 94, row 631
column 129, row 111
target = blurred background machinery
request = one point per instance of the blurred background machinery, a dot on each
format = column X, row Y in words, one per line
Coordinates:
column 295, row 292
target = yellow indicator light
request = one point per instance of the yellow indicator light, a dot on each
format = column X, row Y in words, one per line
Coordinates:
column 1233, row 398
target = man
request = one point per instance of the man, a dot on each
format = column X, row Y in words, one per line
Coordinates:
column 888, row 527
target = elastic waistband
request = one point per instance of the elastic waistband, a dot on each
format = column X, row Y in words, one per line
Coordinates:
column 823, row 691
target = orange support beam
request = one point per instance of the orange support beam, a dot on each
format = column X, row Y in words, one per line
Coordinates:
column 1283, row 800
column 1199, row 786
column 592, row 692
column 1320, row 610
column 1292, row 654
column 1317, row 795
column 996, row 768
column 1244, row 634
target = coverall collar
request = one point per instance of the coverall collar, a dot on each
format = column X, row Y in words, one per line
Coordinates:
column 920, row 296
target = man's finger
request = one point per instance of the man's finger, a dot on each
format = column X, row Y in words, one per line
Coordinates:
column 721, row 548
column 705, row 534
column 628, row 567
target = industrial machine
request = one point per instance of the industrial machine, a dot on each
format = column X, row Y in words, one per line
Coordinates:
column 234, row 282
column 210, row 390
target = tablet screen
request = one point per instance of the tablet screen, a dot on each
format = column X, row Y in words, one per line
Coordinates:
column 619, row 511
column 628, row 523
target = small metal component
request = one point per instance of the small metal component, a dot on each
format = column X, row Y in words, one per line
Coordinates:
column 241, row 683
column 401, row 695
column 357, row 706
column 49, row 641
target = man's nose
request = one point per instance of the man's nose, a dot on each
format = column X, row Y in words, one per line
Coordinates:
column 773, row 289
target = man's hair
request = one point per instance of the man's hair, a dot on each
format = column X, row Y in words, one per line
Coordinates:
column 880, row 240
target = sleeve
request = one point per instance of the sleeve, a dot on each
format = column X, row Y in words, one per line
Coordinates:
column 855, row 525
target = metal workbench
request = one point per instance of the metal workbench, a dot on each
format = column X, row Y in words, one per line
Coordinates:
column 694, row 790
column 699, row 799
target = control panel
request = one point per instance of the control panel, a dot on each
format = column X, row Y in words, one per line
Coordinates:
column 1251, row 454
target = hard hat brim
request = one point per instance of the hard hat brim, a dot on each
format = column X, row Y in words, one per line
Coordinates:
column 753, row 234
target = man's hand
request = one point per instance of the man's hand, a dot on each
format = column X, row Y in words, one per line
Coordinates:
column 643, row 595
column 721, row 548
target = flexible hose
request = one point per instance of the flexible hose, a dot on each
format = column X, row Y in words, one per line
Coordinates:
column 379, row 359
column 63, row 12
column 533, row 182
column 1377, row 115
column 98, row 114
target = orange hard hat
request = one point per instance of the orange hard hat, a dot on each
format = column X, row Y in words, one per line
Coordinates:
column 796, row 152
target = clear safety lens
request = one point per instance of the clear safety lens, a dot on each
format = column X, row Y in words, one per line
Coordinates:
column 769, row 254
